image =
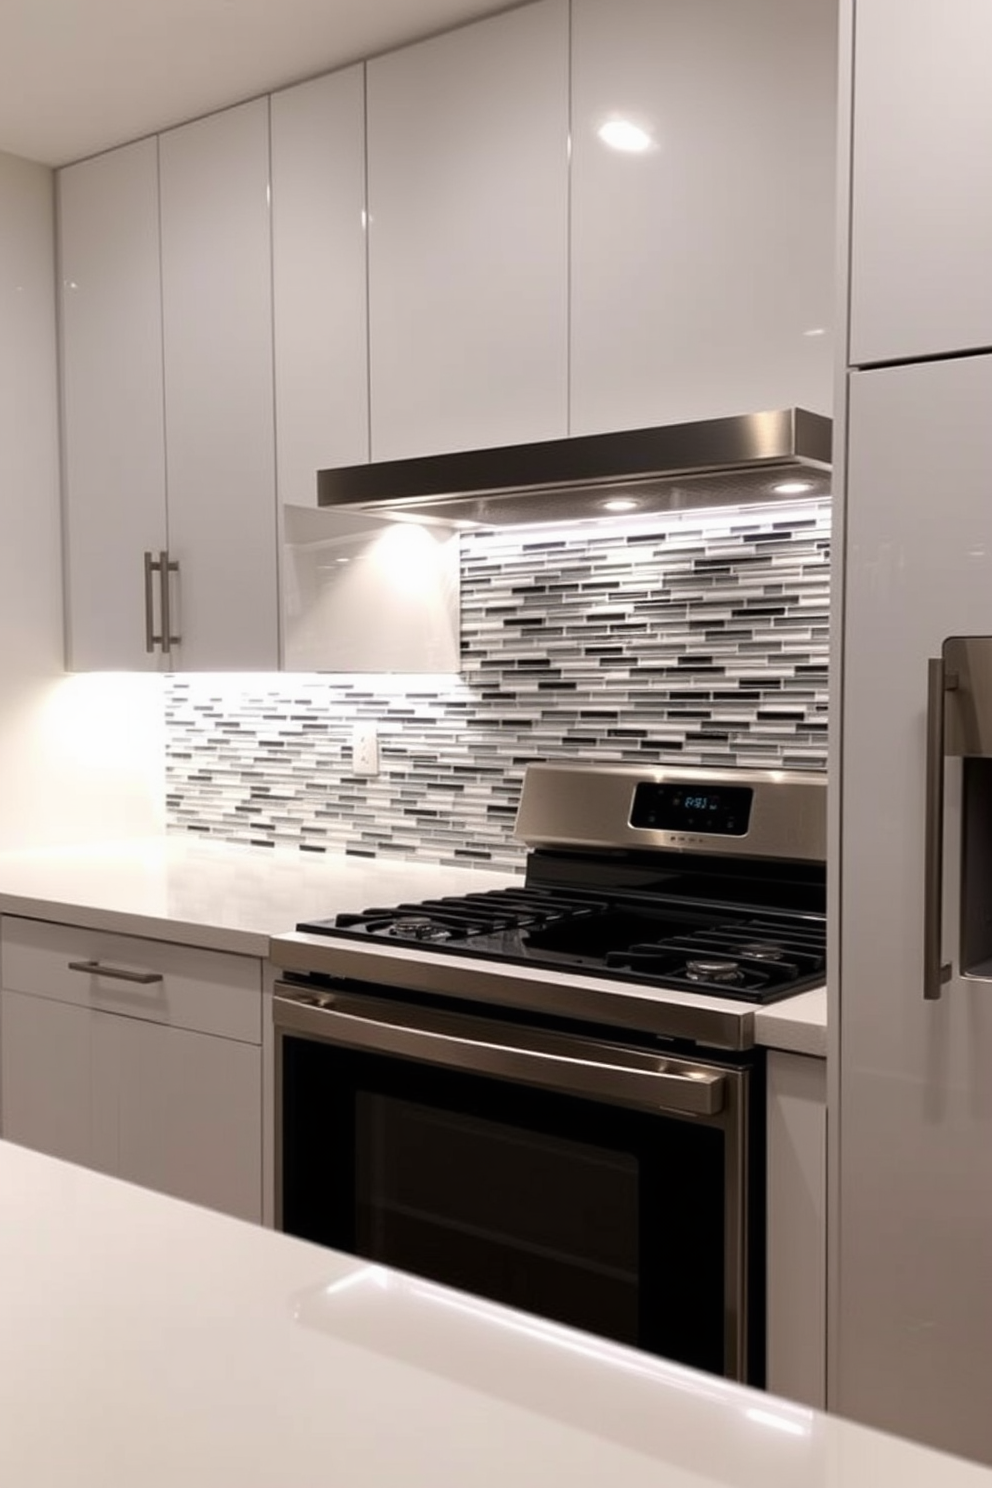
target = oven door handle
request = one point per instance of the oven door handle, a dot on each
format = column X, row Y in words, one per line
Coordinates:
column 570, row 1066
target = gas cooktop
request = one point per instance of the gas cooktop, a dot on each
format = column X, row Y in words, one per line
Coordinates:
column 695, row 881
column 754, row 956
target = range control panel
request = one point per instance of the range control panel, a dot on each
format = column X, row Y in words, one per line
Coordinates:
column 723, row 810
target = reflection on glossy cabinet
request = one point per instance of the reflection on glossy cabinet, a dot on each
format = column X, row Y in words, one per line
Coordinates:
column 217, row 319
column 702, row 265
column 112, row 398
column 468, row 250
column 921, row 216
column 318, row 275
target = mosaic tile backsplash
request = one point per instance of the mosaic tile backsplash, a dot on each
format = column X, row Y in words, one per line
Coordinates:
column 699, row 638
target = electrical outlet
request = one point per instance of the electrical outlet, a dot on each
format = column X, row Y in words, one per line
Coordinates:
column 365, row 748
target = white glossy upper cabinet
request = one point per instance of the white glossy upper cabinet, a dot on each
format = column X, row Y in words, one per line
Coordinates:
column 114, row 440
column 702, row 274
column 921, row 213
column 319, row 282
column 217, row 318
column 468, row 250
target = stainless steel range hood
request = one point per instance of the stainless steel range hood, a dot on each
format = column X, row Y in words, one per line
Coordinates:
column 757, row 457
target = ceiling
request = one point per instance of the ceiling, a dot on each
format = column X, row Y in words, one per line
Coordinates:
column 77, row 76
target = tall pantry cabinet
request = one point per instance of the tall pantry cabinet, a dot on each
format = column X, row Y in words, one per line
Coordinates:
column 167, row 394
column 911, row 1325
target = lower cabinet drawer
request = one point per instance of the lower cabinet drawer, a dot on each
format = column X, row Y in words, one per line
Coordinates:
column 204, row 991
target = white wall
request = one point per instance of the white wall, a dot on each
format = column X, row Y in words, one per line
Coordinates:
column 80, row 757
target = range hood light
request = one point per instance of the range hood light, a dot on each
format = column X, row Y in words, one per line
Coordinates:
column 792, row 488
column 620, row 505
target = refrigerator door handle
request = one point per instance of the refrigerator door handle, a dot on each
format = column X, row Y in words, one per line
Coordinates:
column 935, row 973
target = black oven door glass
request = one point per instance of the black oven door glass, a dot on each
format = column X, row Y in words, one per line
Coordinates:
column 607, row 1219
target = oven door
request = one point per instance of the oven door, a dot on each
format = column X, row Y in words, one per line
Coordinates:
column 598, row 1184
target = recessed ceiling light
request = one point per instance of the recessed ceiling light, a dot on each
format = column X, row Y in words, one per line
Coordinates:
column 624, row 134
column 620, row 505
column 792, row 488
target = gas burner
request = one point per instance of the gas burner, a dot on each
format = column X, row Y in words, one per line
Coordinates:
column 418, row 927
column 760, row 951
column 725, row 973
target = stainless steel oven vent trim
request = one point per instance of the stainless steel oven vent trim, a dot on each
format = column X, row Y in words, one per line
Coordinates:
column 748, row 458
column 589, row 806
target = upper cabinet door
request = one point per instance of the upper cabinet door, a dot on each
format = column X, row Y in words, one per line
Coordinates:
column 702, row 262
column 921, row 213
column 114, row 450
column 468, row 251
column 319, row 280
column 217, row 315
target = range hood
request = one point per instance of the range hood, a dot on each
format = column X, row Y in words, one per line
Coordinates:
column 756, row 457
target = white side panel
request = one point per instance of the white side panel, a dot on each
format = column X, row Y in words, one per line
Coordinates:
column 190, row 1116
column 217, row 299
column 319, row 288
column 114, row 434
column 702, row 268
column 797, row 1228
column 913, row 1352
column 363, row 594
column 468, row 183
column 921, row 216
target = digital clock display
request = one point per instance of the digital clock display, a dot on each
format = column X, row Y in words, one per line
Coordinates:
column 723, row 811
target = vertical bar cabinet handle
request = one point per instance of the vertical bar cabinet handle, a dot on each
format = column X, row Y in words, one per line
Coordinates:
column 935, row 974
column 167, row 566
column 149, row 605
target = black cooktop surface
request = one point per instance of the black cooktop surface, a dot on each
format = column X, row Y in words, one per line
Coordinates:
column 755, row 955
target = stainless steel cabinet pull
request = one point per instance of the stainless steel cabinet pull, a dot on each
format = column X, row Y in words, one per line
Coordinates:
column 150, row 637
column 631, row 1077
column 163, row 565
column 166, row 567
column 116, row 973
column 935, row 973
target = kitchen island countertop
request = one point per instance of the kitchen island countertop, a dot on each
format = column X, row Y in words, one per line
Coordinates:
column 149, row 1341
column 229, row 897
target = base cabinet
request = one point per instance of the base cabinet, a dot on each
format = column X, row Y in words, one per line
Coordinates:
column 94, row 1070
column 796, row 1228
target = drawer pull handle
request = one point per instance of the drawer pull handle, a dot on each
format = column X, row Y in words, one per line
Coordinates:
column 93, row 968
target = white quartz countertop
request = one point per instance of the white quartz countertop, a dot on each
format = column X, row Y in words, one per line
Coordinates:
column 148, row 1341
column 219, row 895
column 797, row 1024
column 232, row 898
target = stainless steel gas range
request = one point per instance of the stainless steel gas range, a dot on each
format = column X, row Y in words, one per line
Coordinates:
column 549, row 1095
